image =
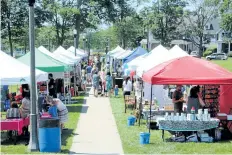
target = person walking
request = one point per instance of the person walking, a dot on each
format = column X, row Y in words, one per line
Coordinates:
column 96, row 79
column 88, row 70
column 109, row 84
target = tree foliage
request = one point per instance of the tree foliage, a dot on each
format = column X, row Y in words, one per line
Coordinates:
column 164, row 17
column 196, row 20
column 226, row 13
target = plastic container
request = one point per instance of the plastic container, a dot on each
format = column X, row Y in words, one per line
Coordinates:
column 49, row 135
column 131, row 121
column 144, row 138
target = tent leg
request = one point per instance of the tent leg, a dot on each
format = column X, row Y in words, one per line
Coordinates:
column 150, row 110
column 140, row 103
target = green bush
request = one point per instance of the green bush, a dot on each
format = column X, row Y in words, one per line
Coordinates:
column 230, row 55
column 207, row 52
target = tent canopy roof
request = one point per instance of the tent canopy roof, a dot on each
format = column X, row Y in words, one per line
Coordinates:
column 125, row 54
column 14, row 72
column 63, row 52
column 137, row 52
column 117, row 49
column 44, row 62
column 176, row 50
column 78, row 52
column 188, row 70
column 57, row 57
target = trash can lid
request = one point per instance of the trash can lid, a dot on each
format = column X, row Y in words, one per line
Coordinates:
column 49, row 123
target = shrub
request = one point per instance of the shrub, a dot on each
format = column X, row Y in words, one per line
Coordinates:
column 230, row 55
column 207, row 52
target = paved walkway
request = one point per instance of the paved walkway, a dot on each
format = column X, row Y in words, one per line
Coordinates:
column 97, row 132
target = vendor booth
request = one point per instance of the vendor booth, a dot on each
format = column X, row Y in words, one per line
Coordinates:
column 215, row 83
column 17, row 72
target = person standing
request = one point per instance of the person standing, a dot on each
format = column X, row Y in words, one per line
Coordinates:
column 109, row 84
column 96, row 79
column 51, row 86
column 107, row 67
column 177, row 99
column 127, row 87
column 88, row 70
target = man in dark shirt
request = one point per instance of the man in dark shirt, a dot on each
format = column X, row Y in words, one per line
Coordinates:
column 177, row 99
column 51, row 86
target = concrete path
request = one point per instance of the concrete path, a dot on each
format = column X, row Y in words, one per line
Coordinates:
column 96, row 132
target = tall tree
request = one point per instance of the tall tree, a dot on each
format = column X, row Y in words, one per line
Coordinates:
column 129, row 30
column 13, row 18
column 14, row 23
column 196, row 20
column 165, row 16
column 62, row 13
column 226, row 13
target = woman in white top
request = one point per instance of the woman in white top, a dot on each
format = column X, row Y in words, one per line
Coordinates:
column 127, row 87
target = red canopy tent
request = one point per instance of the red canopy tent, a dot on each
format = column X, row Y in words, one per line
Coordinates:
column 188, row 70
column 191, row 71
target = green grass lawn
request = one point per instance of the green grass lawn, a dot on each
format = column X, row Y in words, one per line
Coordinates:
column 130, row 138
column 227, row 64
column 67, row 135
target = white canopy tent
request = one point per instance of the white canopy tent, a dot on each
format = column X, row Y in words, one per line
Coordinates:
column 177, row 51
column 117, row 49
column 124, row 55
column 78, row 52
column 13, row 72
column 132, row 65
column 60, row 51
column 118, row 53
column 57, row 57
column 158, row 55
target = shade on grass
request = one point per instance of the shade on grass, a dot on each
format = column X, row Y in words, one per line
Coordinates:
column 66, row 138
column 44, row 62
column 130, row 138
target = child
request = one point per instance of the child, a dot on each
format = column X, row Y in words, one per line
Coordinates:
column 116, row 91
column 53, row 108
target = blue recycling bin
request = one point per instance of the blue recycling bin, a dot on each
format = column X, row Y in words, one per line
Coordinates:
column 49, row 135
column 131, row 120
column 144, row 138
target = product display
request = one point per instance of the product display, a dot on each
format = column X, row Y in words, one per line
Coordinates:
column 210, row 95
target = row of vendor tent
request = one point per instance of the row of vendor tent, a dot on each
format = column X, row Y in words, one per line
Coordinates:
column 61, row 60
column 14, row 72
column 155, row 57
column 126, row 55
column 18, row 71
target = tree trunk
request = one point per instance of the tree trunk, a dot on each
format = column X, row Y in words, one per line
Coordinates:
column 9, row 31
column 78, row 22
column 78, row 28
column 201, row 47
column 25, row 44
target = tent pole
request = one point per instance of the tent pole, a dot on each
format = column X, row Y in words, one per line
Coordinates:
column 64, row 89
column 150, row 110
column 47, row 88
column 140, row 103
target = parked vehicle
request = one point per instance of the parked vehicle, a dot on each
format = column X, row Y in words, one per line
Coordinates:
column 217, row 56
column 194, row 53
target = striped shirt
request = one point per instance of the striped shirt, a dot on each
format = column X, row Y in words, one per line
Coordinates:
column 13, row 113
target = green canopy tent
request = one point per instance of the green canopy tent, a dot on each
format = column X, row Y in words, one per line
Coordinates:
column 45, row 63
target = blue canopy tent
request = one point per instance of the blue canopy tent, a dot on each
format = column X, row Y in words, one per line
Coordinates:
column 137, row 52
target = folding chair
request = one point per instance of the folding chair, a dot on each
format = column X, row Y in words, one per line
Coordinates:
column 130, row 100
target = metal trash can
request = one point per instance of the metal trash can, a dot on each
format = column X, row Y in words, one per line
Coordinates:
column 49, row 135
